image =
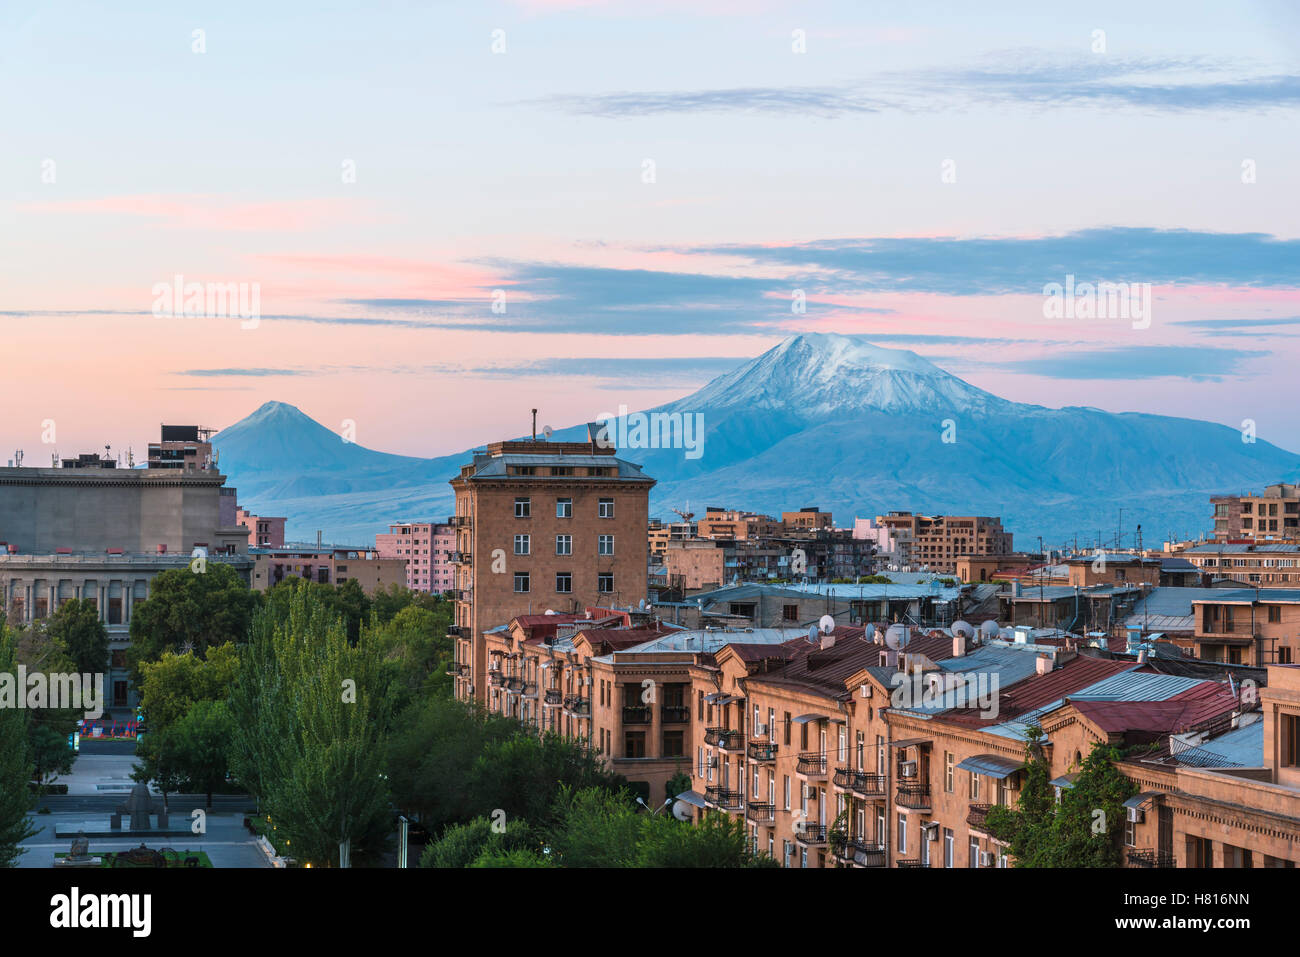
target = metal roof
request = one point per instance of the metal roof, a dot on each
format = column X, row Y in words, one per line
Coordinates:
column 993, row 765
column 1214, row 549
column 1248, row 595
column 1239, row 748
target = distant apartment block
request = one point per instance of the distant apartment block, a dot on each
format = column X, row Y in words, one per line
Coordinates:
column 264, row 531
column 184, row 447
column 1274, row 565
column 1271, row 515
column 330, row 565
column 807, row 519
column 428, row 548
column 543, row 526
column 737, row 525
column 937, row 542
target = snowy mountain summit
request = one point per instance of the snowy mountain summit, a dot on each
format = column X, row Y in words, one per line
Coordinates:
column 822, row 374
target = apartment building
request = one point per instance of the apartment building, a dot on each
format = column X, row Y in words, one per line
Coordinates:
column 544, row 526
column 938, row 541
column 1271, row 564
column 737, row 525
column 264, row 531
column 429, row 549
column 807, row 519
column 1271, row 515
column 187, row 448
column 1248, row 626
column 328, row 564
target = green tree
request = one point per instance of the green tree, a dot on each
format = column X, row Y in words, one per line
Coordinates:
column 50, row 753
column 519, row 857
column 15, row 763
column 190, row 611
column 595, row 828
column 76, row 626
column 323, row 730
column 461, row 845
column 170, row 686
column 201, row 742
column 715, row 840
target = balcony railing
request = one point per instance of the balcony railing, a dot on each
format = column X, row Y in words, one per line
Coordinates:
column 461, row 558
column 553, row 696
column 870, row 784
column 914, row 796
column 513, row 683
column 636, row 714
column 910, row 862
column 760, row 813
column 724, row 798
column 675, row 714
column 977, row 816
column 578, row 705
column 808, row 833
column 763, row 752
column 1149, row 857
column 731, row 741
column 713, row 735
column 496, row 678
column 864, row 854
column 811, row 763
column 462, row 521
column 844, row 777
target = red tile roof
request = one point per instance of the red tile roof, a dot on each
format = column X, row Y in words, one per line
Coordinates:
column 1036, row 691
column 1198, row 704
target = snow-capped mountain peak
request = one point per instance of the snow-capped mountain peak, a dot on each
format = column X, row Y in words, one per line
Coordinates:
column 819, row 374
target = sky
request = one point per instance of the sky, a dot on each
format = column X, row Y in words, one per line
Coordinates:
column 443, row 215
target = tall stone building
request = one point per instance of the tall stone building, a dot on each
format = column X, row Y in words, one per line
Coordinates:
column 541, row 526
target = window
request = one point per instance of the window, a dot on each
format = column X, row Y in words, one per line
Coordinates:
column 974, row 860
column 521, row 581
column 605, row 545
column 789, row 612
column 522, row 544
column 605, row 582
column 564, row 544
column 1130, row 831
column 786, row 722
column 1290, row 724
column 605, row 508
column 674, row 744
column 902, row 834
column 564, row 582
column 1274, row 614
column 561, row 469
column 974, row 786
column 634, row 744
column 947, row 847
column 523, row 508
column 947, row 771
column 787, row 791
column 564, row 508
column 880, row 755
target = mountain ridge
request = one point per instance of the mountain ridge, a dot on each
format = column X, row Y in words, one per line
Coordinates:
column 824, row 419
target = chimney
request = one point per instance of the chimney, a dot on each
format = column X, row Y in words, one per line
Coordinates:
column 1043, row 665
column 319, row 533
column 1142, row 657
column 891, row 658
column 958, row 645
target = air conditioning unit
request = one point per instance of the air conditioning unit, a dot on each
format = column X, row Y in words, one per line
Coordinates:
column 907, row 769
column 711, row 761
column 760, row 730
column 986, row 859
column 1012, row 783
column 930, row 830
column 1136, row 815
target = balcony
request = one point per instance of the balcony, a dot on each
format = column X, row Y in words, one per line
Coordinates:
column 731, row 741
column 862, row 853
column 809, row 833
column 713, row 735
column 977, row 817
column 914, row 796
column 811, row 764
column 764, row 752
column 461, row 558
column 458, row 671
column 725, row 798
column 514, row 684
column 1150, row 857
column 636, row 714
column 760, row 813
column 869, row 784
column 496, row 679
column 462, row 521
column 911, row 862
column 675, row 714
column 456, row 631
column 578, row 705
column 844, row 778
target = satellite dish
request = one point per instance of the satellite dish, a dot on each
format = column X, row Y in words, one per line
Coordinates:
column 550, row 611
column 642, row 604
column 871, row 633
column 827, row 624
column 963, row 628
column 896, row 636
column 813, row 633
column 681, row 810
column 989, row 629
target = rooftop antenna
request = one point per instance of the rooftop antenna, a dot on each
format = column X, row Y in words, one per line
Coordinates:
column 534, row 425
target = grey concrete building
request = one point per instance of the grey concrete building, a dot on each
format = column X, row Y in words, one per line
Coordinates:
column 102, row 534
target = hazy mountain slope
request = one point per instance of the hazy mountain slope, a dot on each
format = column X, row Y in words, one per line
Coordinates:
column 823, row 420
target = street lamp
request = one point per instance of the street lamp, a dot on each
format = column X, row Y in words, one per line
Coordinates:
column 640, row 800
